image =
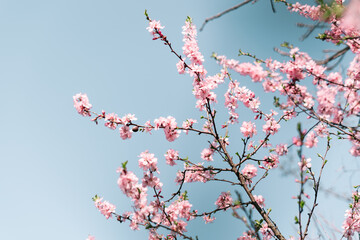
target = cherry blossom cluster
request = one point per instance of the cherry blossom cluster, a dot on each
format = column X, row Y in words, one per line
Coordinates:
column 194, row 173
column 312, row 12
column 249, row 172
column 351, row 224
column 303, row 87
column 112, row 121
column 323, row 105
column 106, row 208
column 169, row 125
column 82, row 105
column 224, row 200
column 153, row 212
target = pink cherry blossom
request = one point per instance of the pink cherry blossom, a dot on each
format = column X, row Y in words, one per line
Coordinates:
column 250, row 235
column 82, row 105
column 188, row 124
column 90, row 237
column 305, row 163
column 154, row 25
column 312, row 12
column 266, row 232
column 254, row 70
column 224, row 200
column 271, row 126
column 208, row 219
column 149, row 180
column 169, row 125
column 170, row 156
column 194, row 173
column 249, row 171
column 281, row 149
column 351, row 224
column 190, row 48
column 128, row 118
column 180, row 209
column 321, row 130
column 351, row 18
column 207, row 154
column 265, row 144
column 181, row 67
column 311, row 140
column 125, row 132
column 260, row 200
column 106, row 208
column 148, row 161
column 128, row 182
column 248, row 129
column 112, row 120
column 271, row 161
column 355, row 149
column 148, row 127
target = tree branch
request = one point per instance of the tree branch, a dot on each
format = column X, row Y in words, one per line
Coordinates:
column 224, row 12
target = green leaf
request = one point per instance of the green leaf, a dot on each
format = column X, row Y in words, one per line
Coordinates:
column 185, row 196
column 124, row 165
column 188, row 19
column 285, row 44
column 237, row 203
column 276, row 102
column 356, row 198
column 301, row 204
column 95, row 198
column 298, row 127
column 296, row 220
column 258, row 223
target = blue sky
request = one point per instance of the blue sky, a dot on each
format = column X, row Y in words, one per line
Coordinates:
column 53, row 160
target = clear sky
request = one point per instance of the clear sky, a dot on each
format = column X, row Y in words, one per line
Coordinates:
column 53, row 160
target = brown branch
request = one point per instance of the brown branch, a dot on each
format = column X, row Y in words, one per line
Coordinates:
column 283, row 53
column 316, row 187
column 310, row 29
column 224, row 12
column 332, row 57
column 242, row 179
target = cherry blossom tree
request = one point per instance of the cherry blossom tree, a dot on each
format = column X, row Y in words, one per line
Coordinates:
column 305, row 90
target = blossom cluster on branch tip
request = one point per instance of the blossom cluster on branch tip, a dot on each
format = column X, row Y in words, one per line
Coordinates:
column 259, row 200
column 224, row 201
column 194, row 173
column 351, row 224
column 249, row 171
column 248, row 129
column 106, row 208
column 82, row 105
column 170, row 156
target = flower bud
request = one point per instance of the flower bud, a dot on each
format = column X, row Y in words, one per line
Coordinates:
column 135, row 129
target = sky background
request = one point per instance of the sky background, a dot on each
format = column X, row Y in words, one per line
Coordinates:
column 53, row 161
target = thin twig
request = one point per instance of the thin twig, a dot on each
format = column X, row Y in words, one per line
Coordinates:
column 332, row 57
column 224, row 12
